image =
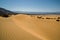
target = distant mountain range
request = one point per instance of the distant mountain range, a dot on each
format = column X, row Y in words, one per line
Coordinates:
column 6, row 13
column 38, row 13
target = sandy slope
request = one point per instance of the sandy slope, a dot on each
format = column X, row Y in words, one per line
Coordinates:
column 27, row 27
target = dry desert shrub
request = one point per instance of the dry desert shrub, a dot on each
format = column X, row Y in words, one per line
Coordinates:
column 5, row 16
column 57, row 20
column 48, row 18
column 58, row 17
column 39, row 17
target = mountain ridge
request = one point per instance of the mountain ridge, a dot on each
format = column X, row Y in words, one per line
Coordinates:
column 5, row 13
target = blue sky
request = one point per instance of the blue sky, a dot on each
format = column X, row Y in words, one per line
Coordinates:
column 31, row 5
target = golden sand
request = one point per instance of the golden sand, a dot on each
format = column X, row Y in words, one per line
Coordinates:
column 29, row 27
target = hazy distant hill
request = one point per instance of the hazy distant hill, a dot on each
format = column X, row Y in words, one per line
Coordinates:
column 38, row 13
column 6, row 13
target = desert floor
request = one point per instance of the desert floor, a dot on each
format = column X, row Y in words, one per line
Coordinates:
column 30, row 27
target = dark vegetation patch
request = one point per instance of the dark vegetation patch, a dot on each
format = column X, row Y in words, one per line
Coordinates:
column 47, row 18
column 57, row 20
column 40, row 17
column 5, row 16
column 50, row 18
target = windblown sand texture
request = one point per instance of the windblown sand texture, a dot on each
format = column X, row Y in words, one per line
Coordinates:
column 29, row 27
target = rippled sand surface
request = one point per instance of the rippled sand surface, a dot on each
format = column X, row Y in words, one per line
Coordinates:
column 29, row 27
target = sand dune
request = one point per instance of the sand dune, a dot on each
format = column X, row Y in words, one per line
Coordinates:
column 30, row 27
